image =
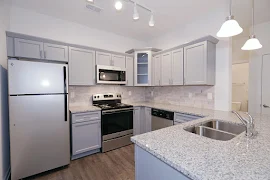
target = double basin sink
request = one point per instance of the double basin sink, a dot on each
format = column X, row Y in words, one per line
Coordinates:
column 218, row 130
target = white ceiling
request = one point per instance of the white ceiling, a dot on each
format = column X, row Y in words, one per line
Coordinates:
column 168, row 14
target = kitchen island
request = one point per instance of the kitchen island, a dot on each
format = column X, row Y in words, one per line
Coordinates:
column 173, row 153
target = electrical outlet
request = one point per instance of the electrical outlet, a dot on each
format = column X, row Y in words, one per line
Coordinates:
column 190, row 95
column 209, row 96
column 129, row 93
column 152, row 93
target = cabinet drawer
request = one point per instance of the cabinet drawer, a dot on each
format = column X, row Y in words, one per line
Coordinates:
column 83, row 117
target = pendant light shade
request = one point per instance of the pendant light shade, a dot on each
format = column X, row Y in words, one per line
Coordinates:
column 229, row 28
column 252, row 44
column 152, row 21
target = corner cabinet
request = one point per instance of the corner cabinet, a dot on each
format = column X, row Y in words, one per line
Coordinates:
column 143, row 68
column 199, row 64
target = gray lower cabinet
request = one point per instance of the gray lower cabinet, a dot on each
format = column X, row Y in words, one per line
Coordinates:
column 55, row 52
column 86, row 134
column 148, row 119
column 136, row 120
column 81, row 67
column 28, row 49
column 142, row 120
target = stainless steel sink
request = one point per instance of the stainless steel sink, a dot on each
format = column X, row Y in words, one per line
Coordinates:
column 217, row 130
column 225, row 126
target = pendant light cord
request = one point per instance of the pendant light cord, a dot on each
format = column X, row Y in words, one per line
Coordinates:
column 253, row 7
column 230, row 7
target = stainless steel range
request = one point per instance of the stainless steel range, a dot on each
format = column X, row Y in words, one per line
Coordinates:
column 116, row 121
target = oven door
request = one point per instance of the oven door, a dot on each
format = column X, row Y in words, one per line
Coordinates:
column 116, row 123
column 110, row 75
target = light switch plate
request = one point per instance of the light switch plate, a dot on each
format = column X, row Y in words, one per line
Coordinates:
column 129, row 93
column 209, row 96
column 190, row 95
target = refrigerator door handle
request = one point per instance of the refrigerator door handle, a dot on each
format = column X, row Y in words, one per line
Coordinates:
column 65, row 91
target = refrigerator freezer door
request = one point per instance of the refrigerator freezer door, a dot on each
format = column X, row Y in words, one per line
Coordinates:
column 26, row 77
column 39, row 134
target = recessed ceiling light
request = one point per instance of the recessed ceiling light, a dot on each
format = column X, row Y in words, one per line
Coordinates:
column 118, row 5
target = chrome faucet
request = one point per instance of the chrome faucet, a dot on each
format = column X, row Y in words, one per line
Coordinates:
column 248, row 123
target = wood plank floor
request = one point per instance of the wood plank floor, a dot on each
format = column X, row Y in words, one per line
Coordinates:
column 114, row 165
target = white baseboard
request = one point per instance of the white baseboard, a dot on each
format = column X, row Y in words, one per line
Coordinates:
column 7, row 175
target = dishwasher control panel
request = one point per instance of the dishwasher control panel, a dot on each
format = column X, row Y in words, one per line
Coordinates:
column 163, row 114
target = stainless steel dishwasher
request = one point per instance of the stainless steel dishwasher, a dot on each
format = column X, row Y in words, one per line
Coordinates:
column 161, row 119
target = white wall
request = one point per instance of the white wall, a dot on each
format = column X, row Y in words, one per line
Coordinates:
column 35, row 24
column 262, row 32
column 4, row 121
column 208, row 25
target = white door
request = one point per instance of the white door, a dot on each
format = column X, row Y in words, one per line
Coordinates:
column 166, row 69
column 28, row 49
column 195, row 63
column 55, row 52
column 103, row 58
column 81, row 66
column 178, row 67
column 130, row 71
column 157, row 68
column 266, row 85
column 86, row 136
column 27, row 77
column 119, row 61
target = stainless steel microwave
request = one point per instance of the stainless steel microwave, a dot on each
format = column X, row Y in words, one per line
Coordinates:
column 111, row 75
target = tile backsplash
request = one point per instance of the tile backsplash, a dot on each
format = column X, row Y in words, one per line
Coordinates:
column 193, row 96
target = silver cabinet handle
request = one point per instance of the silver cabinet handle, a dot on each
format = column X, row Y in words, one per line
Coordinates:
column 40, row 54
column 159, row 82
column 265, row 106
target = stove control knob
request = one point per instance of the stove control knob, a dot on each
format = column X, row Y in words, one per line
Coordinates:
column 98, row 97
column 95, row 97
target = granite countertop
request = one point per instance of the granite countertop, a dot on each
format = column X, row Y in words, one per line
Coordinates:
column 82, row 108
column 203, row 158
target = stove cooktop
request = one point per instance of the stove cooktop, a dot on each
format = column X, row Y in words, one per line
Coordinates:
column 113, row 106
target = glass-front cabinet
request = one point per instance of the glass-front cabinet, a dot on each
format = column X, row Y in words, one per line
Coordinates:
column 142, row 67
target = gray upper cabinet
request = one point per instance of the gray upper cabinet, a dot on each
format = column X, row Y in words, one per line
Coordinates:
column 81, row 66
column 103, row 58
column 157, row 68
column 166, row 69
column 86, row 136
column 130, row 71
column 119, row 61
column 28, row 49
column 55, row 52
column 199, row 64
column 178, row 67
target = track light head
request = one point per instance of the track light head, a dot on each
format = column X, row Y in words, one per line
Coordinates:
column 152, row 21
column 136, row 15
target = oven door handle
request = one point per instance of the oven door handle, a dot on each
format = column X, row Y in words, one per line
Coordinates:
column 118, row 111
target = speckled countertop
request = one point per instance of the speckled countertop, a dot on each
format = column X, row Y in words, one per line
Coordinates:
column 82, row 108
column 202, row 158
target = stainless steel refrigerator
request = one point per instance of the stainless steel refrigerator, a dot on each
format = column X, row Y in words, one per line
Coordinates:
column 39, row 117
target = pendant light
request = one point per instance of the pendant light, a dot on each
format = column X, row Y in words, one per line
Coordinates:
column 135, row 12
column 230, row 27
column 252, row 43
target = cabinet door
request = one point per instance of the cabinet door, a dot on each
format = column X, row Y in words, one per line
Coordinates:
column 142, row 121
column 143, row 68
column 148, row 119
column 86, row 136
column 136, row 121
column 119, row 61
column 195, row 64
column 166, row 69
column 130, row 71
column 55, row 52
column 103, row 58
column 28, row 49
column 157, row 68
column 81, row 66
column 178, row 67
